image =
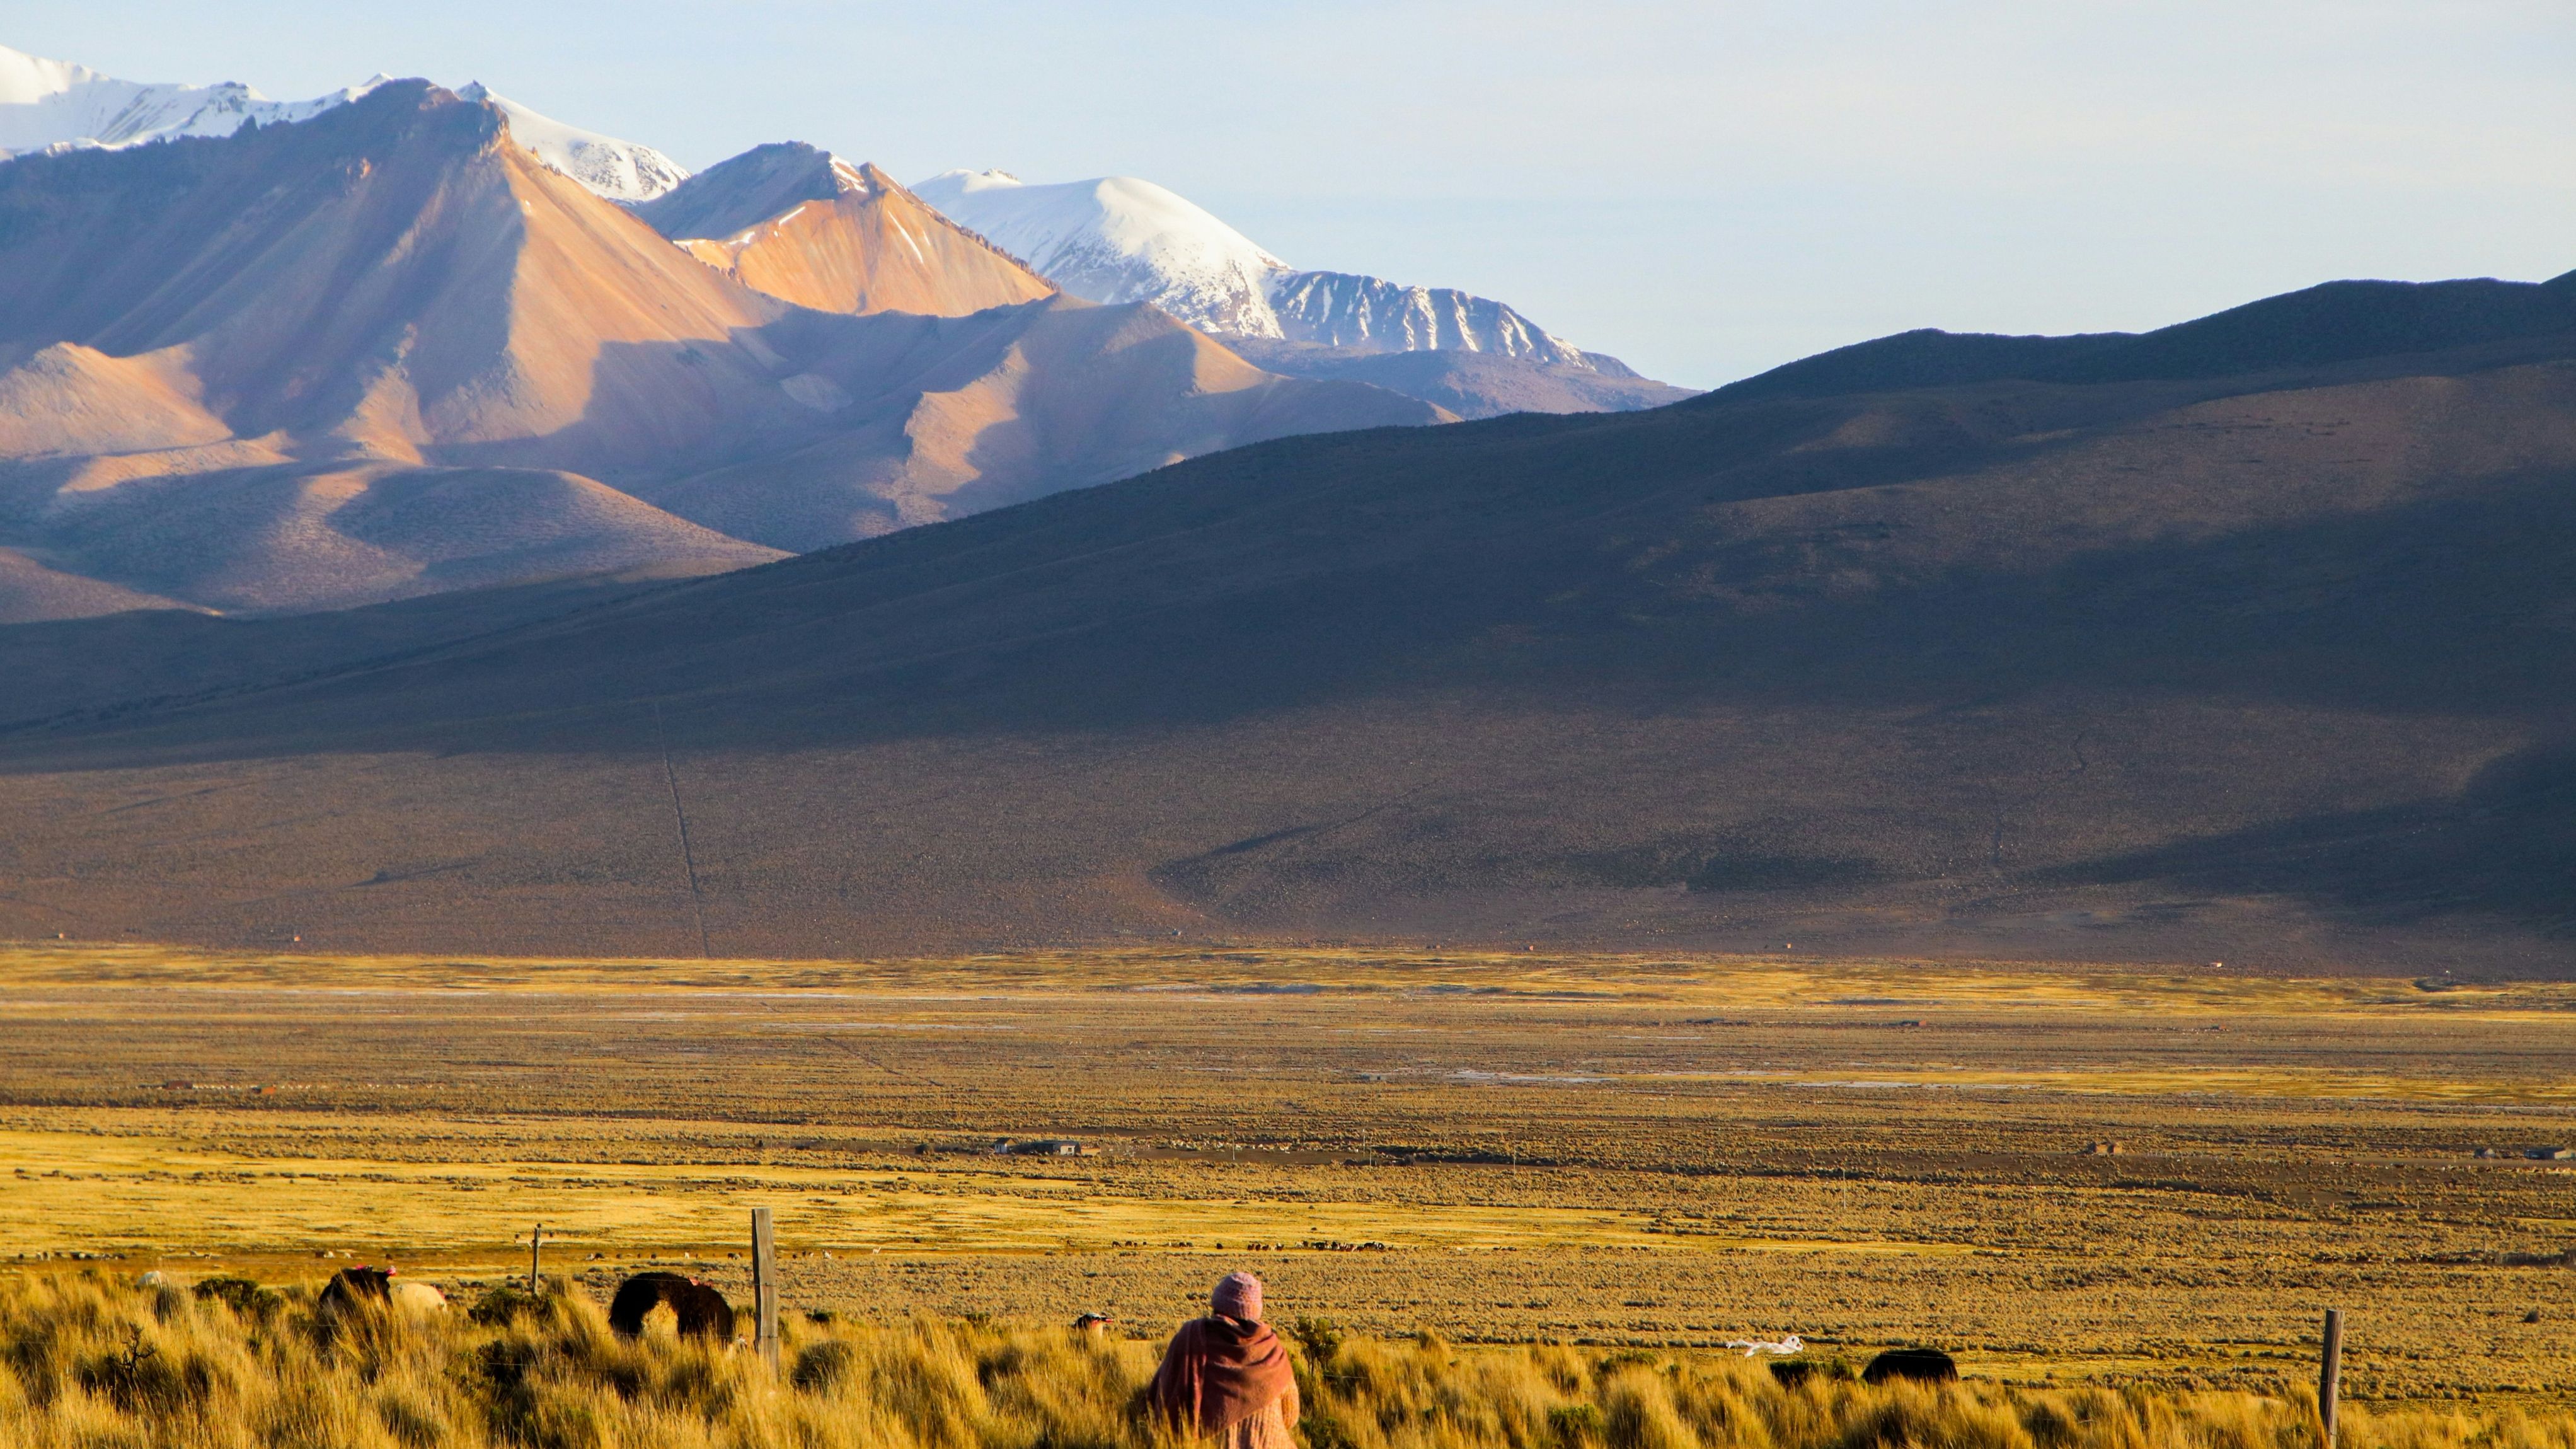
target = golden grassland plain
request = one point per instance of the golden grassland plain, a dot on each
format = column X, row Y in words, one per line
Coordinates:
column 1497, row 1148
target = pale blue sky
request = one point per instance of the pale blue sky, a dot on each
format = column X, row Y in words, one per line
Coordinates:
column 1704, row 189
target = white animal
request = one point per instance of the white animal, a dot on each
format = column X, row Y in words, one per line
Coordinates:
column 418, row 1298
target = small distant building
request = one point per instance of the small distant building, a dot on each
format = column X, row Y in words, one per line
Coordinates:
column 2551, row 1154
column 1039, row 1147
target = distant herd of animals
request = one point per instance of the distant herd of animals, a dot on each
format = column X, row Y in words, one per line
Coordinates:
column 701, row 1311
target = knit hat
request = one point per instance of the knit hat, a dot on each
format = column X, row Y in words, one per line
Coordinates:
column 1237, row 1295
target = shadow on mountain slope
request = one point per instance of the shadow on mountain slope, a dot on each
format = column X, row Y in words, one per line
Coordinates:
column 2505, row 846
column 144, row 662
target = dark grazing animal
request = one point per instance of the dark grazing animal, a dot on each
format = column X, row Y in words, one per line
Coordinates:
column 1791, row 1372
column 1921, row 1365
column 352, row 1287
column 702, row 1311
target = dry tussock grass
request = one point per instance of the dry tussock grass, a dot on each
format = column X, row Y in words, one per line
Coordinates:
column 95, row 1363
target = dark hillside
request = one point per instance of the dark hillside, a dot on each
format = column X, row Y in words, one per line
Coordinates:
column 2265, row 667
column 1925, row 357
column 2335, row 322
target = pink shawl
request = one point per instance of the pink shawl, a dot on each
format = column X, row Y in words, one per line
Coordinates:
column 1221, row 1371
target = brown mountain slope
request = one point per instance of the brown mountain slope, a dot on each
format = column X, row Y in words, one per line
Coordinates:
column 338, row 534
column 807, row 226
column 386, row 352
column 75, row 665
column 245, row 349
column 1470, row 384
column 390, row 276
column 1009, row 405
column 31, row 591
column 2263, row 658
column 69, row 399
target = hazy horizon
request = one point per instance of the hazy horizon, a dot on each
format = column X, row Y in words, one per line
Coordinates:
column 1703, row 191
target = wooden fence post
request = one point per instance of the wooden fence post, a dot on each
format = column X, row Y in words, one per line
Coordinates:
column 764, row 1285
column 535, row 1237
column 2330, row 1375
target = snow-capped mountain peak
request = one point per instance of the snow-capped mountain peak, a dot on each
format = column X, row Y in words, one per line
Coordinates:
column 51, row 104
column 619, row 170
column 45, row 104
column 1120, row 239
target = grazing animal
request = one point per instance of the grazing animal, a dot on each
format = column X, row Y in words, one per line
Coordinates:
column 702, row 1311
column 1921, row 1365
column 1093, row 1323
column 354, row 1288
column 1792, row 1372
column 351, row 1287
column 419, row 1298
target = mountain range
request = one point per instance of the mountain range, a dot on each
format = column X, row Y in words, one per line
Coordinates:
column 257, row 356
column 1112, row 240
column 389, row 351
column 1121, row 239
column 2246, row 640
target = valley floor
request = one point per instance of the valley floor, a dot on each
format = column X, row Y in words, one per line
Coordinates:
column 1596, row 1150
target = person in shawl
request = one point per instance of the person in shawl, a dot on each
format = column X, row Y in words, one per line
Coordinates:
column 1227, row 1376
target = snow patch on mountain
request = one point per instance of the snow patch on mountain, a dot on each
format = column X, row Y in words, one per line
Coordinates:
column 55, row 104
column 1371, row 314
column 619, row 170
column 48, row 105
column 1119, row 239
